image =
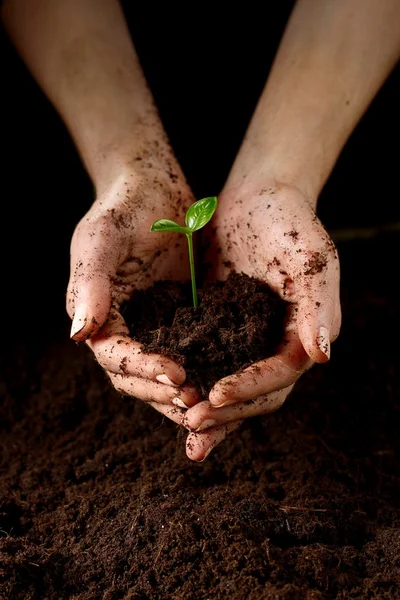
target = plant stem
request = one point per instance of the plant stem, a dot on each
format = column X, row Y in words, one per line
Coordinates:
column 192, row 273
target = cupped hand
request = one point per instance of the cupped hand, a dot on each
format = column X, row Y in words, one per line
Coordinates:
column 271, row 233
column 113, row 253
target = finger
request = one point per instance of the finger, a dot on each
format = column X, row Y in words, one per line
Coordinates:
column 95, row 256
column 150, row 391
column 199, row 445
column 173, row 413
column 204, row 415
column 117, row 353
column 272, row 374
column 317, row 286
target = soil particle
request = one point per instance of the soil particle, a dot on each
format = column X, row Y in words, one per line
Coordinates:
column 292, row 234
column 316, row 264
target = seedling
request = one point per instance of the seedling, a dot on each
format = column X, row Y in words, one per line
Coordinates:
column 198, row 215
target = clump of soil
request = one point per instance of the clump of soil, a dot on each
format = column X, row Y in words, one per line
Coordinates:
column 238, row 322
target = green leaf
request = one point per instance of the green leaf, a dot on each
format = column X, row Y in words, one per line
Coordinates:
column 168, row 225
column 200, row 213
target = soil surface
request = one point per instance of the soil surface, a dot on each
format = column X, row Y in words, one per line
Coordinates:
column 98, row 500
column 238, row 322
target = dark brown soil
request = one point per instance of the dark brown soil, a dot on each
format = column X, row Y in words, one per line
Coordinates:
column 99, row 502
column 237, row 323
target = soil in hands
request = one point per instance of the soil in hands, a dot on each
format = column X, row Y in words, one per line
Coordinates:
column 238, row 322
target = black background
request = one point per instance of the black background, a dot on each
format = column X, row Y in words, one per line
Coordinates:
column 206, row 71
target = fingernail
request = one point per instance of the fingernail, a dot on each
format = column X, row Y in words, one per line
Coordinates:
column 206, row 454
column 79, row 321
column 221, row 405
column 323, row 341
column 164, row 379
column 206, row 424
column 179, row 402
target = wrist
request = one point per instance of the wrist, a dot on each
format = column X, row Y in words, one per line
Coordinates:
column 141, row 151
column 270, row 190
column 270, row 176
column 299, row 151
column 149, row 171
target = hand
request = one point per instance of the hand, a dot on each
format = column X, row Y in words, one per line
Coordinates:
column 112, row 253
column 271, row 233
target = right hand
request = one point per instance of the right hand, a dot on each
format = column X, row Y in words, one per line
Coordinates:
column 113, row 253
column 270, row 231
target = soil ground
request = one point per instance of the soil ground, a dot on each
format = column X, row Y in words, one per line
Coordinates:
column 98, row 500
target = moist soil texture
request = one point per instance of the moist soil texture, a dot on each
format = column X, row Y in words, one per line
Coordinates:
column 238, row 322
column 99, row 501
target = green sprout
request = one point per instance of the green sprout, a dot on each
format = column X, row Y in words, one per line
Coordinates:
column 198, row 215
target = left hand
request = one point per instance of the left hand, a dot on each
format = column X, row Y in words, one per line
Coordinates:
column 271, row 233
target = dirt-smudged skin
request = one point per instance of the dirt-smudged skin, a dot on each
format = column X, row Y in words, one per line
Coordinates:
column 113, row 253
column 272, row 233
column 151, row 186
column 258, row 221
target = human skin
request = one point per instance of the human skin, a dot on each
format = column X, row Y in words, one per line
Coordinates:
column 333, row 58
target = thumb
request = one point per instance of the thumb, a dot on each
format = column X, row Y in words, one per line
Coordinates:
column 94, row 263
column 319, row 311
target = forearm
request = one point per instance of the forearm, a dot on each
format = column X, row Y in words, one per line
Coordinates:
column 81, row 54
column 333, row 58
